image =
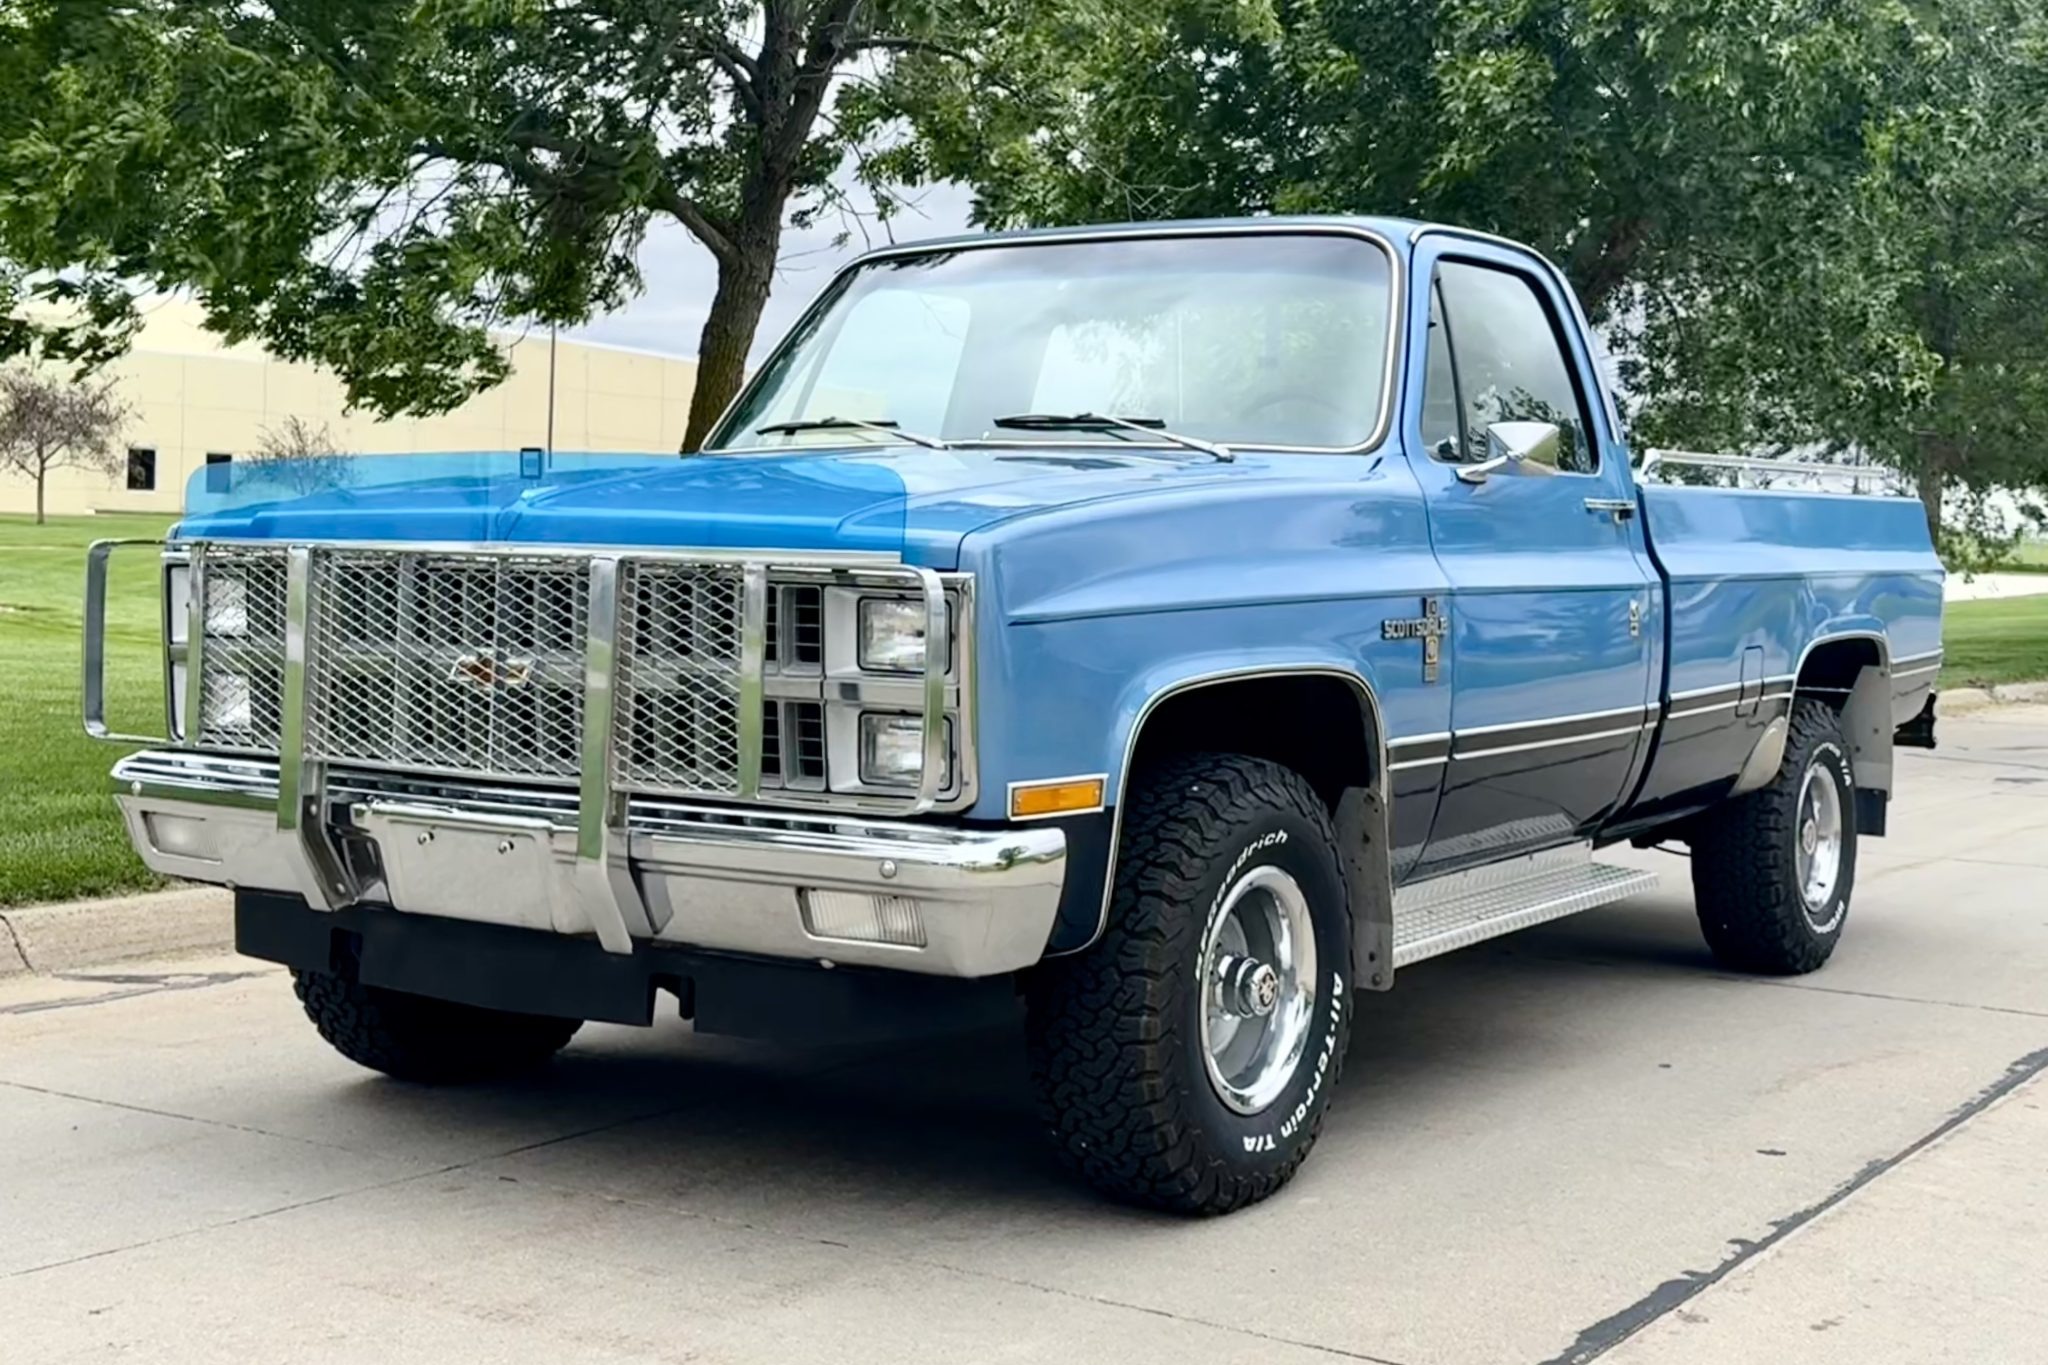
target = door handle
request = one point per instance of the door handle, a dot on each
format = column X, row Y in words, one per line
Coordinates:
column 1621, row 509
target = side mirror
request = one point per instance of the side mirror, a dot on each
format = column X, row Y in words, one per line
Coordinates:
column 1535, row 444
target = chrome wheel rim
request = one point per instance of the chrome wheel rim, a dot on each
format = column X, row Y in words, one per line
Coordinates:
column 1258, row 975
column 1817, row 841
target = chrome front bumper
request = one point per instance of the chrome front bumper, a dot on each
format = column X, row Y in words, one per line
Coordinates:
column 958, row 902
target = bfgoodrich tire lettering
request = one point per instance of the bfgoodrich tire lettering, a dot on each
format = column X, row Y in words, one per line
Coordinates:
column 1749, row 879
column 1116, row 1033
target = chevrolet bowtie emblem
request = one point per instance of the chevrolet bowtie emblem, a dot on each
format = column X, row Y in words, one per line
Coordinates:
column 485, row 671
column 1430, row 628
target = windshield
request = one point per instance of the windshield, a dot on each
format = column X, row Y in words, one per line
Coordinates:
column 1261, row 339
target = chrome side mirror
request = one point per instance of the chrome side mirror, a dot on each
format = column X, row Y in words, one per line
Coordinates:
column 1535, row 444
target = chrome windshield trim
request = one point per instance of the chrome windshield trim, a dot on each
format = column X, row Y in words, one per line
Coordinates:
column 1397, row 267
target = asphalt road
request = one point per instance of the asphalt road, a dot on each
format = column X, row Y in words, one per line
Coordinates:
column 1583, row 1142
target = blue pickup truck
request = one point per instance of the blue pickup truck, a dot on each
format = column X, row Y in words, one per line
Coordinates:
column 1184, row 627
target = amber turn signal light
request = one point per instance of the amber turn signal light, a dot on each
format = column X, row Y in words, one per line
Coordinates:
column 1061, row 796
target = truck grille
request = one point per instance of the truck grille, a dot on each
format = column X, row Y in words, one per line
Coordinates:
column 241, row 670
column 458, row 663
column 679, row 677
column 472, row 663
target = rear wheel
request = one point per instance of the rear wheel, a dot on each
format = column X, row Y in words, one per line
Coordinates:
column 1772, row 871
column 1185, row 1061
column 416, row 1038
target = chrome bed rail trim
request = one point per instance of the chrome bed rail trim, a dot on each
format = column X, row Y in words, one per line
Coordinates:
column 1893, row 484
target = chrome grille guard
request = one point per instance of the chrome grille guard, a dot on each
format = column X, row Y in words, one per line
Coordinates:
column 448, row 659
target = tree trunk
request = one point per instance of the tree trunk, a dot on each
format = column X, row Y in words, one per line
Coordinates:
column 1931, row 482
column 42, row 473
column 1939, row 458
column 729, row 331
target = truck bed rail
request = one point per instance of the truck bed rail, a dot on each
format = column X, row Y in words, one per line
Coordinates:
column 1874, row 480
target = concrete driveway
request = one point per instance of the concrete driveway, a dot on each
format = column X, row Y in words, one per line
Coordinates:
column 1584, row 1142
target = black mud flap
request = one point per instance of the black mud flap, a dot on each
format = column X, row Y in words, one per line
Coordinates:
column 1917, row 733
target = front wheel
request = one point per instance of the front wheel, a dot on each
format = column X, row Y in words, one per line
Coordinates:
column 1772, row 871
column 416, row 1038
column 1185, row 1061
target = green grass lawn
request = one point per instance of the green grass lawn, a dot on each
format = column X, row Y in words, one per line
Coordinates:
column 1997, row 640
column 60, row 835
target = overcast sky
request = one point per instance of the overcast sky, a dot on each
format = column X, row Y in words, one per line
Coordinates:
column 680, row 273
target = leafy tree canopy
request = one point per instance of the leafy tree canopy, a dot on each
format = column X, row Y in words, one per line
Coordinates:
column 371, row 184
column 1798, row 221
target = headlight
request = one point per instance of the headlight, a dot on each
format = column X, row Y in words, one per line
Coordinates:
column 227, row 605
column 227, row 701
column 892, row 634
column 892, row 750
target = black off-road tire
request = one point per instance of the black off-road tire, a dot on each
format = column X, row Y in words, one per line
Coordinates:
column 1115, row 1031
column 1745, row 864
column 416, row 1038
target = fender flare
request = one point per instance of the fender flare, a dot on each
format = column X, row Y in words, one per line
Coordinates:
column 1362, row 817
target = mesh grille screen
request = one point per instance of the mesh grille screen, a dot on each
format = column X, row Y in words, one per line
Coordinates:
column 679, row 677
column 241, row 667
column 465, row 663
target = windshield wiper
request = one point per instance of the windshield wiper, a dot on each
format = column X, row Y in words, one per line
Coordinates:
column 884, row 426
column 1096, row 421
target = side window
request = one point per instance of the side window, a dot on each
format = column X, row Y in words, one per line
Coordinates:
column 1509, row 362
column 1440, row 407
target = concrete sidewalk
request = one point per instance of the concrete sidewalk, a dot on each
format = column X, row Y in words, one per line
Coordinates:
column 76, row 935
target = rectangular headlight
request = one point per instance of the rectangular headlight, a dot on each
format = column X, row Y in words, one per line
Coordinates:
column 227, row 605
column 892, row 750
column 892, row 634
column 228, row 701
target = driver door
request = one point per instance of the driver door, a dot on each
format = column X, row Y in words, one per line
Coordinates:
column 1553, row 604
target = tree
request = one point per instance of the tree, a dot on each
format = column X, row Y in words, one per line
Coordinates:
column 1613, row 134
column 1913, row 328
column 301, row 457
column 48, row 424
column 373, row 184
column 1799, row 222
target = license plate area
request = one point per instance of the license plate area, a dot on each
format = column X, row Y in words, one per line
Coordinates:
column 490, row 869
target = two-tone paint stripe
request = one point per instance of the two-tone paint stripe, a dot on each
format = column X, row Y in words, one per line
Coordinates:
column 1736, row 699
column 1493, row 741
column 1703, row 701
column 1916, row 665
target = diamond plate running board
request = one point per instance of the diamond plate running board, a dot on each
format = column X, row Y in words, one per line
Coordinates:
column 1448, row 913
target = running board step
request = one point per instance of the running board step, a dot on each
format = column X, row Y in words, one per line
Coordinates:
column 1447, row 913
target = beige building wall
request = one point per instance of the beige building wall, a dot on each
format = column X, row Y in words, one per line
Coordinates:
column 190, row 394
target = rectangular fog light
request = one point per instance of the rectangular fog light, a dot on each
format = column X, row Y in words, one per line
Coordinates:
column 181, row 836
column 857, row 917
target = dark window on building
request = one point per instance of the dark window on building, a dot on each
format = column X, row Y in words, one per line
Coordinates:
column 218, row 457
column 141, row 469
column 217, row 462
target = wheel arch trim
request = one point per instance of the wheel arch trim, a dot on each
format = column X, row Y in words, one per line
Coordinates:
column 1377, row 792
column 1867, row 721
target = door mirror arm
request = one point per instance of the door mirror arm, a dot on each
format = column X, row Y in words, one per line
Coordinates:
column 1516, row 445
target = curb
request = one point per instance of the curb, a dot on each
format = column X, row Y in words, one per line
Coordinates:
column 1959, row 700
column 185, row 921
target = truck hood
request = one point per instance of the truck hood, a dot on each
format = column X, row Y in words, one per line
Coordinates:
column 917, row 503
